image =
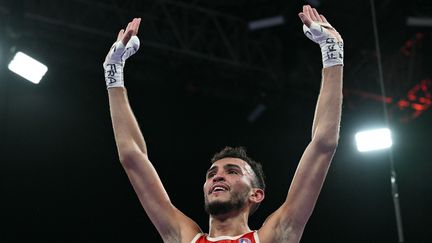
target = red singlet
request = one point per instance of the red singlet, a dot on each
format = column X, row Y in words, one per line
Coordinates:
column 251, row 237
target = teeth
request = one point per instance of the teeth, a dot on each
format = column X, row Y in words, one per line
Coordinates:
column 219, row 188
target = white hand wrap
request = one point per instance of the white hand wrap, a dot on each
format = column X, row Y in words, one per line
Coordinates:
column 331, row 49
column 116, row 60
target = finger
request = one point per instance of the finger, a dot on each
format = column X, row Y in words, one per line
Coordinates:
column 323, row 18
column 305, row 19
column 316, row 15
column 311, row 14
column 120, row 35
column 138, row 22
column 305, row 9
column 134, row 26
column 128, row 26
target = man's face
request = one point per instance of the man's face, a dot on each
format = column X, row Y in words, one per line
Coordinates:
column 228, row 186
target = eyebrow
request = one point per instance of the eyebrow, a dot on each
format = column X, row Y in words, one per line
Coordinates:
column 232, row 166
column 227, row 166
column 211, row 169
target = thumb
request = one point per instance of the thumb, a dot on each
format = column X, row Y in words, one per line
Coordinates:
column 305, row 19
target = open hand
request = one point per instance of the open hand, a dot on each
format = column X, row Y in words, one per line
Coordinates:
column 126, row 45
column 310, row 15
column 131, row 30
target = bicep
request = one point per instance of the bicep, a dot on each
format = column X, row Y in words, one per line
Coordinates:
column 306, row 185
column 307, row 182
column 167, row 219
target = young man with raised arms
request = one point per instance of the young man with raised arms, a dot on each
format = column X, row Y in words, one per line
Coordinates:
column 234, row 185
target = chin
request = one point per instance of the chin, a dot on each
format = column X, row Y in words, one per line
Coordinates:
column 222, row 206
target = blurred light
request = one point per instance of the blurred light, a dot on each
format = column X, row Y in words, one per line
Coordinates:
column 27, row 67
column 266, row 23
column 256, row 113
column 416, row 21
column 419, row 107
column 373, row 140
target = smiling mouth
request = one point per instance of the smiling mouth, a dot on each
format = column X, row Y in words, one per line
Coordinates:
column 218, row 189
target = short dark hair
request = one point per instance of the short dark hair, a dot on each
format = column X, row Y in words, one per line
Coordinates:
column 240, row 153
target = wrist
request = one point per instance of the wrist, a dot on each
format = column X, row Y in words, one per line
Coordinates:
column 332, row 52
column 113, row 75
column 116, row 59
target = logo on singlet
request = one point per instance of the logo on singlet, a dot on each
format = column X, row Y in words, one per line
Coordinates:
column 244, row 240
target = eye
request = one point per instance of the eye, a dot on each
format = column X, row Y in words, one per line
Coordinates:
column 233, row 172
column 210, row 175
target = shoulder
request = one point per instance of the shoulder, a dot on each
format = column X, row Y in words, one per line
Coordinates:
column 183, row 229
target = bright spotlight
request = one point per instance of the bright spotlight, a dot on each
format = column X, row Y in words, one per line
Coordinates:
column 373, row 140
column 27, row 67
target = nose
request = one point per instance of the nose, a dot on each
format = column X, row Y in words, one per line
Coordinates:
column 218, row 177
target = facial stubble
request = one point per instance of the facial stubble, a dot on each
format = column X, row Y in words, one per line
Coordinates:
column 218, row 207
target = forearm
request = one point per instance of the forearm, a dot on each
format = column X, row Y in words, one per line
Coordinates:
column 325, row 128
column 315, row 161
column 126, row 130
column 314, row 164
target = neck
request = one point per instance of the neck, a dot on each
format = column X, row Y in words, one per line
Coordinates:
column 230, row 224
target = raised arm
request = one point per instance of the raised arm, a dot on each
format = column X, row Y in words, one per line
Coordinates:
column 172, row 225
column 290, row 219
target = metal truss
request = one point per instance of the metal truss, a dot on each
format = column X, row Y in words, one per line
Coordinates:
column 186, row 29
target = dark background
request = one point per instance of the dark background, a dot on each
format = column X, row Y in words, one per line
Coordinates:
column 196, row 79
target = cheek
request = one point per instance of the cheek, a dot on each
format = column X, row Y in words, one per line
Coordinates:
column 205, row 188
column 240, row 182
column 245, row 181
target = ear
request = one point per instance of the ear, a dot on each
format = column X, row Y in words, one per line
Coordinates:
column 257, row 195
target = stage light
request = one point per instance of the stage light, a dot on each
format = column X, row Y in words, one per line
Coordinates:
column 373, row 140
column 27, row 67
column 266, row 23
column 419, row 22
